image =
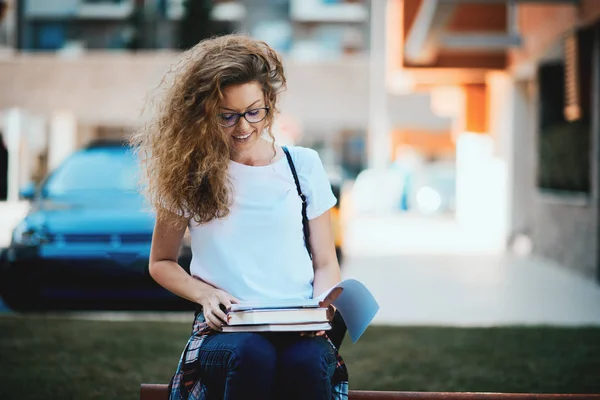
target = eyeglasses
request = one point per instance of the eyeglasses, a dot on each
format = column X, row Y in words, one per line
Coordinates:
column 252, row 116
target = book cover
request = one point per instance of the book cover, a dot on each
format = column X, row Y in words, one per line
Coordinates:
column 279, row 316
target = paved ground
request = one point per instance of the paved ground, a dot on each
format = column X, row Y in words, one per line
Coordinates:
column 423, row 274
column 475, row 291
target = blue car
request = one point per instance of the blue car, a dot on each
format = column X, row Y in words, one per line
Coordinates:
column 86, row 241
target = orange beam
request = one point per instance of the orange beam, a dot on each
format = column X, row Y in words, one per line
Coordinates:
column 476, row 118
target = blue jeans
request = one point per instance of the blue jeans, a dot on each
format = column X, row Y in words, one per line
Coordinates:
column 266, row 366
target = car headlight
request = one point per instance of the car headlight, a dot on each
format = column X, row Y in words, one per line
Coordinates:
column 25, row 235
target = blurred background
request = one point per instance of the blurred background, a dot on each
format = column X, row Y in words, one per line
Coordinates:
column 461, row 137
column 456, row 133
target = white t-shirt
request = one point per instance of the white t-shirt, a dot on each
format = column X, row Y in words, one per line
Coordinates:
column 257, row 252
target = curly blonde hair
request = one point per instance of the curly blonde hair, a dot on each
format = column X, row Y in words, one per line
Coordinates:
column 183, row 150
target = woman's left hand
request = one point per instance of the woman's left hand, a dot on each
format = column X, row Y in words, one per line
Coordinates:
column 330, row 313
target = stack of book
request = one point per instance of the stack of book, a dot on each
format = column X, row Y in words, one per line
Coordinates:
column 286, row 316
column 351, row 298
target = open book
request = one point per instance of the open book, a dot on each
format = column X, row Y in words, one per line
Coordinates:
column 353, row 300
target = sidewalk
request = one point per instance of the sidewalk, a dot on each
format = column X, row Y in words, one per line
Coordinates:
column 434, row 278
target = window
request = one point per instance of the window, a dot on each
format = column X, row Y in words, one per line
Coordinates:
column 50, row 36
column 564, row 145
column 93, row 172
column 103, row 1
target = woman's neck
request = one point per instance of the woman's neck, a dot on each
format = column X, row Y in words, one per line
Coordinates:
column 261, row 154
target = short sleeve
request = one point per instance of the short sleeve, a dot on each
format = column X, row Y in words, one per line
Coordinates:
column 315, row 185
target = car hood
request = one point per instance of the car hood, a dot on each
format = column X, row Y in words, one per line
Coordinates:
column 126, row 214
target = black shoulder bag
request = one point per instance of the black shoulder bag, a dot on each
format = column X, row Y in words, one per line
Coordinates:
column 338, row 326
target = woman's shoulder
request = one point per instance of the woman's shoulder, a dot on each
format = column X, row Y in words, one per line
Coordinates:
column 303, row 156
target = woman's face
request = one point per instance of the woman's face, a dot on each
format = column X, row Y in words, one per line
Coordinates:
column 247, row 99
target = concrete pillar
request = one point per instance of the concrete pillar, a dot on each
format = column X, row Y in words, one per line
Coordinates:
column 501, row 123
column 37, row 141
column 476, row 187
column 481, row 182
column 8, row 29
column 25, row 138
column 523, row 167
column 63, row 137
column 510, row 123
column 378, row 135
column 12, row 128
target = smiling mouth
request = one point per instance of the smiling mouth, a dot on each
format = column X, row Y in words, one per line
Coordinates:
column 242, row 138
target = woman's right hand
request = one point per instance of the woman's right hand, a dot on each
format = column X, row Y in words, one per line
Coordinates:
column 211, row 302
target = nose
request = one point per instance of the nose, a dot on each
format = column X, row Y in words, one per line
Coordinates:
column 243, row 125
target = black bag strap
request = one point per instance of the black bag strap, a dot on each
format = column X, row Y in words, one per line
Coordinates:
column 303, row 198
column 338, row 325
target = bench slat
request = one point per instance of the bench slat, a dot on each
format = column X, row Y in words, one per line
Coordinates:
column 150, row 391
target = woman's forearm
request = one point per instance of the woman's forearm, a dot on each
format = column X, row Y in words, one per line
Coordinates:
column 172, row 277
column 325, row 278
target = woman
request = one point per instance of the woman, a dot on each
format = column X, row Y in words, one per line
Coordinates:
column 212, row 166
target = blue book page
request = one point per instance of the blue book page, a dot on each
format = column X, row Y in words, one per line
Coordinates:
column 355, row 303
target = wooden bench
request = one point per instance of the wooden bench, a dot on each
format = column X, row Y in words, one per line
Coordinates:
column 159, row 392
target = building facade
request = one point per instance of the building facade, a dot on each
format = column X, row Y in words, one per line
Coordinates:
column 526, row 76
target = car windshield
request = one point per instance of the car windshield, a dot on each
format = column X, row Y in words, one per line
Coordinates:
column 94, row 170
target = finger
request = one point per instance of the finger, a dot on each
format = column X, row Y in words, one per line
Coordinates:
column 225, row 299
column 330, row 312
column 331, row 297
column 217, row 312
column 213, row 326
column 320, row 333
column 210, row 315
column 213, row 322
column 210, row 324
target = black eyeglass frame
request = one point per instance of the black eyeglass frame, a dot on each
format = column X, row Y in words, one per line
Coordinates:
column 240, row 115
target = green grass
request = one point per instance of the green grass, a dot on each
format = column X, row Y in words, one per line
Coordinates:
column 73, row 359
